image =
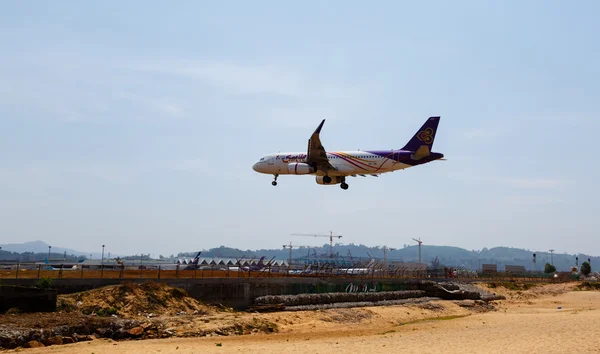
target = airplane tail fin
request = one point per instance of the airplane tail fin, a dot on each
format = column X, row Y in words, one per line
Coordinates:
column 424, row 137
column 261, row 260
column 197, row 258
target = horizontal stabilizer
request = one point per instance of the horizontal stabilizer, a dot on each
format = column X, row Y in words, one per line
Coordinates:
column 421, row 152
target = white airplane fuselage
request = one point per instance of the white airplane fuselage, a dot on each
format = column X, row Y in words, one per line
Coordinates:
column 345, row 162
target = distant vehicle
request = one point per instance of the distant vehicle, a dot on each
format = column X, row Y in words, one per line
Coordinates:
column 333, row 167
column 358, row 271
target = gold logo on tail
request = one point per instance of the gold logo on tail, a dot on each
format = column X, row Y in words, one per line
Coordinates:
column 426, row 136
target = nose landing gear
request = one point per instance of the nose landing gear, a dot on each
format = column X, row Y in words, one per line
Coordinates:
column 274, row 183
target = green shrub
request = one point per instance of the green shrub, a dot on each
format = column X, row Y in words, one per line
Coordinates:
column 44, row 283
column 105, row 312
column 549, row 268
column 586, row 269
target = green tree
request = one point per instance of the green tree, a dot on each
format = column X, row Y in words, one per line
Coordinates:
column 586, row 269
column 549, row 268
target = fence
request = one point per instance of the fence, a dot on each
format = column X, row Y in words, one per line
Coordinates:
column 37, row 271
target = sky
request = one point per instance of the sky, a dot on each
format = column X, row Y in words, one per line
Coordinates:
column 136, row 124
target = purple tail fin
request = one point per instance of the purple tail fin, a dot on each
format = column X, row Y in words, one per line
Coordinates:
column 424, row 136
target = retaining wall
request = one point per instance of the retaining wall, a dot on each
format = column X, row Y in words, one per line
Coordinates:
column 27, row 299
column 240, row 293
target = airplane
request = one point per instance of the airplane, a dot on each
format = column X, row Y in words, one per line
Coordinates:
column 190, row 266
column 255, row 267
column 333, row 167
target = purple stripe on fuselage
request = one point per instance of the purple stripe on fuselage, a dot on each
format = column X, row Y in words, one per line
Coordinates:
column 347, row 160
column 404, row 156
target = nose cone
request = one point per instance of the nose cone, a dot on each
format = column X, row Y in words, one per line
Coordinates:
column 255, row 167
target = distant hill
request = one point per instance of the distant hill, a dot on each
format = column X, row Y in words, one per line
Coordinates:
column 446, row 255
column 41, row 247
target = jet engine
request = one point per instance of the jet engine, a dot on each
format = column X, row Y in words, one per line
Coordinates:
column 300, row 168
column 328, row 180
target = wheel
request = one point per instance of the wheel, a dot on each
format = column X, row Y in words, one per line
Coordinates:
column 274, row 183
column 327, row 179
column 344, row 186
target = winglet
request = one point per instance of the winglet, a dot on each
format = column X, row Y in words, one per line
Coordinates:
column 319, row 127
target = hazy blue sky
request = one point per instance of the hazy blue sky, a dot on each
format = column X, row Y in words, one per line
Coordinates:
column 135, row 124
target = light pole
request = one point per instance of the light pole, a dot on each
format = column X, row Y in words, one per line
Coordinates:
column 49, row 248
column 552, row 257
column 102, row 263
column 420, row 242
column 385, row 254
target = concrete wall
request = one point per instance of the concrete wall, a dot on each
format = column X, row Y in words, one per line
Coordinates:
column 239, row 293
column 27, row 299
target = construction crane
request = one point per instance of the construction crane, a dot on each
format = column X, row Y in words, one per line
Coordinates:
column 290, row 246
column 420, row 242
column 331, row 236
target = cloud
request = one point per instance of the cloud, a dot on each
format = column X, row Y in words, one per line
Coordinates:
column 477, row 133
column 528, row 200
column 162, row 106
column 574, row 119
column 513, row 182
column 527, row 183
column 247, row 79
column 183, row 165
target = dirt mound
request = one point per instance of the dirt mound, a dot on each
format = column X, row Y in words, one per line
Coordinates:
column 133, row 300
column 587, row 286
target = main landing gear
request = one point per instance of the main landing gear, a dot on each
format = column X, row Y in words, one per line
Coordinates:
column 344, row 185
column 275, row 180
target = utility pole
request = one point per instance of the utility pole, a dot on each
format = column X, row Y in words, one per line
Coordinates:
column 102, row 263
column 420, row 242
column 385, row 256
column 290, row 246
column 552, row 257
column 331, row 236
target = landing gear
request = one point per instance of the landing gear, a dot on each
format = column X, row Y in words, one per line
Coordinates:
column 344, row 185
column 327, row 179
column 274, row 183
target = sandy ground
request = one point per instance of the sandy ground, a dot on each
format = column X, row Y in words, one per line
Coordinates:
column 527, row 322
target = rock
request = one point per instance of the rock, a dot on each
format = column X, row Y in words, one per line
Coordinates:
column 34, row 344
column 81, row 338
column 136, row 331
column 58, row 340
column 68, row 340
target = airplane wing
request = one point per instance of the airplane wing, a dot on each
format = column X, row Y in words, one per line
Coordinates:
column 316, row 154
